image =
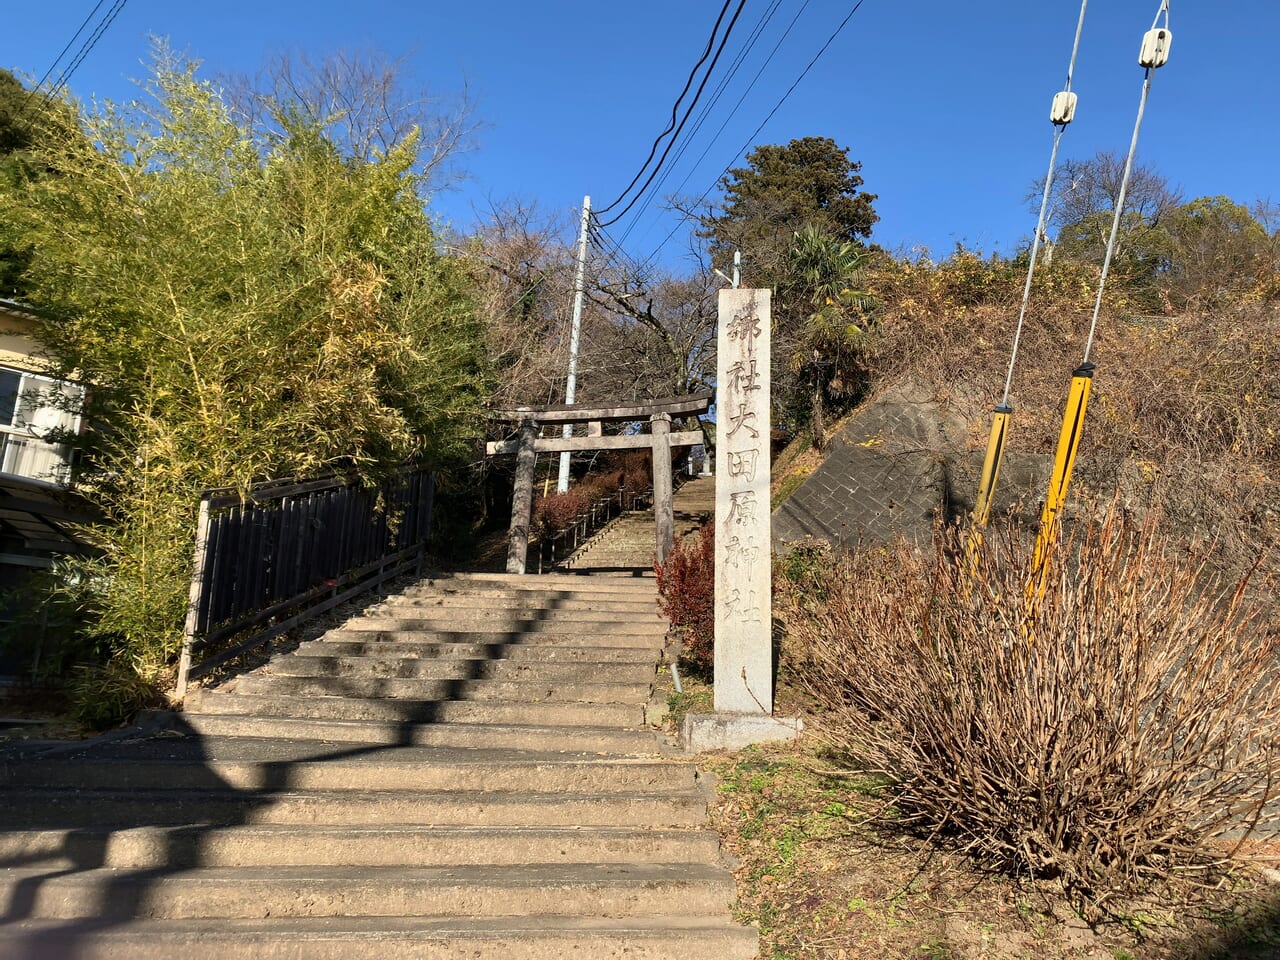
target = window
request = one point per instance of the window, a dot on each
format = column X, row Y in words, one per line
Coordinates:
column 35, row 412
column 10, row 383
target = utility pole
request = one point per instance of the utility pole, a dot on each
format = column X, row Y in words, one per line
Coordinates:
column 579, row 289
column 736, row 279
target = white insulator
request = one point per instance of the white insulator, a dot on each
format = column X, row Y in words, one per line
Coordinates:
column 1155, row 47
column 1063, row 110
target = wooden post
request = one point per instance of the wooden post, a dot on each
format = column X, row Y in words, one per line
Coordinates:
column 194, row 596
column 660, row 426
column 522, row 498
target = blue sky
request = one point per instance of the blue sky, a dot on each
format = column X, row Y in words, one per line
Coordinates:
column 945, row 104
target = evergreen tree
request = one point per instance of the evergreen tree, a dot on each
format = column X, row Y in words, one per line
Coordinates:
column 808, row 182
column 16, row 108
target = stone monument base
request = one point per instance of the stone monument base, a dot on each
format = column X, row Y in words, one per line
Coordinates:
column 733, row 731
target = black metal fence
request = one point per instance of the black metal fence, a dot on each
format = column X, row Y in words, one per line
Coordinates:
column 291, row 550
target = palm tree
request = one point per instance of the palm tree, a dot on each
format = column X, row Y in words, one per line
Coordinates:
column 822, row 289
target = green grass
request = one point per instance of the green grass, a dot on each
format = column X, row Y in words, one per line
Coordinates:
column 696, row 698
column 788, row 486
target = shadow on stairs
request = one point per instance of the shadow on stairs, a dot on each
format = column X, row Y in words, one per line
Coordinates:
column 461, row 771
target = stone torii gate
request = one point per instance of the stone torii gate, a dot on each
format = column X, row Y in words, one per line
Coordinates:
column 527, row 445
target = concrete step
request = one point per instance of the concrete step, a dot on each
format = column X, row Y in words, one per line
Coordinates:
column 457, row 669
column 621, row 543
column 637, row 584
column 331, row 646
column 409, row 938
column 591, row 589
column 618, row 560
column 512, row 627
column 190, row 847
column 510, row 690
column 458, row 773
column 359, row 630
column 264, row 765
column 592, row 889
column 640, row 585
column 405, row 711
column 607, row 605
column 620, row 551
column 608, row 739
column 76, row 807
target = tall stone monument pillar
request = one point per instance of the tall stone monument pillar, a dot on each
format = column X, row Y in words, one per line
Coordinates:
column 744, row 602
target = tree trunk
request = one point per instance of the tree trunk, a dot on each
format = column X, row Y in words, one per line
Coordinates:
column 817, row 420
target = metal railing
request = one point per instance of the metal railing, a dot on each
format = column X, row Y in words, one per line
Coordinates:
column 555, row 549
column 291, row 550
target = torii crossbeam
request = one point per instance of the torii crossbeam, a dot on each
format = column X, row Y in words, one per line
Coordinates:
column 527, row 445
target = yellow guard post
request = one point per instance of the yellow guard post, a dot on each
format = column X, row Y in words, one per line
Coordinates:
column 1064, row 462
column 987, row 482
column 991, row 465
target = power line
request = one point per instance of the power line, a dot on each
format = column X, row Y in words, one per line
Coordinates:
column 614, row 253
column 675, row 107
column 738, row 61
column 85, row 49
column 757, row 131
column 702, row 86
column 88, row 46
column 729, row 116
column 607, row 249
column 58, row 59
column 805, row 72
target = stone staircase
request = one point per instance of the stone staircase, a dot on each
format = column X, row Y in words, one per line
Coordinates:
column 459, row 772
column 628, row 542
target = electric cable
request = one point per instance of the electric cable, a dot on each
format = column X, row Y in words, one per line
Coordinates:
column 765, row 19
column 609, row 245
column 612, row 253
column 778, row 106
column 58, row 59
column 768, row 59
column 86, row 48
column 676, row 136
column 675, row 107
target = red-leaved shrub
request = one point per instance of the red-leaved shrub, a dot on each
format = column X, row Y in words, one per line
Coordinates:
column 629, row 476
column 686, row 593
column 556, row 511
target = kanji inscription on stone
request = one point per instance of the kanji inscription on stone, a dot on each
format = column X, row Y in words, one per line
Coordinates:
column 743, row 650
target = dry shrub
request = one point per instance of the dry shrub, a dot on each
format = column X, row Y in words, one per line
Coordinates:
column 557, row 511
column 1185, row 406
column 628, row 475
column 686, row 593
column 1126, row 743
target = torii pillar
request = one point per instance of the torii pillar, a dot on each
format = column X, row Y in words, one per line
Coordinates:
column 659, row 441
